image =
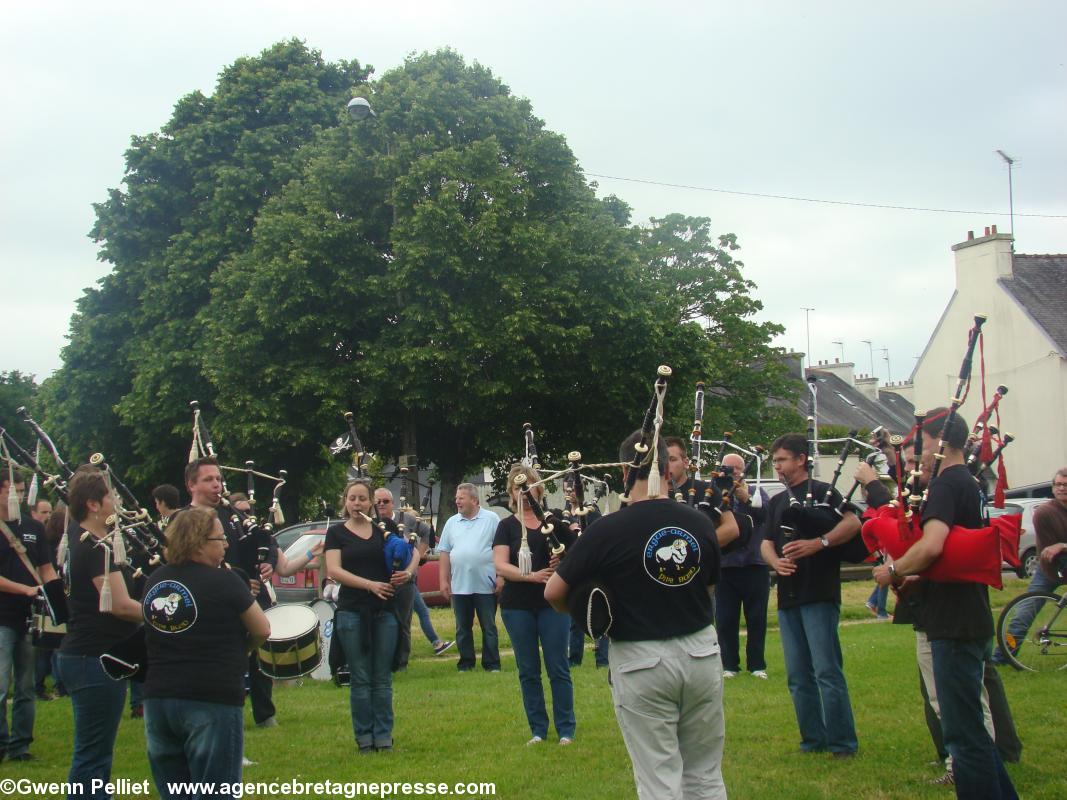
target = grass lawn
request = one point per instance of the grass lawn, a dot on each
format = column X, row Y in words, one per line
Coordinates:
column 469, row 727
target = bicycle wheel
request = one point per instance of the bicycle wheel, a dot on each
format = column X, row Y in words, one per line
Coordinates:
column 1032, row 632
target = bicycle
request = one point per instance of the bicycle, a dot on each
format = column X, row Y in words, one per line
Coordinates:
column 1032, row 632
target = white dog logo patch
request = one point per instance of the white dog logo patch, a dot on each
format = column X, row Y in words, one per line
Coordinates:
column 672, row 557
column 169, row 607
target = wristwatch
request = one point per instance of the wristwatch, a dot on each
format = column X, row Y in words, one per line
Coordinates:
column 825, row 541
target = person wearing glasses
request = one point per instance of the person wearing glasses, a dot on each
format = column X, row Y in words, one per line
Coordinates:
column 201, row 623
column 408, row 598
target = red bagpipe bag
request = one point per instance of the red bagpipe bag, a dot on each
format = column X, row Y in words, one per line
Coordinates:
column 970, row 555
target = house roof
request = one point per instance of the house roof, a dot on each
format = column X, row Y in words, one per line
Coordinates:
column 1039, row 284
column 841, row 404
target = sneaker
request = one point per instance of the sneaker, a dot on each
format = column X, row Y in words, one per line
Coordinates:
column 948, row 779
column 843, row 754
column 45, row 695
column 535, row 740
column 870, row 607
column 22, row 757
column 882, row 616
column 269, row 722
column 566, row 740
column 137, row 712
column 246, row 762
column 440, row 647
column 759, row 673
column 729, row 673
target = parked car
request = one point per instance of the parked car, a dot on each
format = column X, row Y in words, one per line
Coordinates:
column 303, row 586
column 1028, row 555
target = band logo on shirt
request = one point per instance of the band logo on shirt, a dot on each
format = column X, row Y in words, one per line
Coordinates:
column 169, row 607
column 672, row 557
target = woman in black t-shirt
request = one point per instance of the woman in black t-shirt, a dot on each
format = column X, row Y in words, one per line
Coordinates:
column 200, row 624
column 365, row 623
column 522, row 558
column 98, row 700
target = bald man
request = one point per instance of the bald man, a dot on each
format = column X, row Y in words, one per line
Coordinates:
column 744, row 583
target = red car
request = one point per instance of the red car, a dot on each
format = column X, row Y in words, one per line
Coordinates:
column 303, row 586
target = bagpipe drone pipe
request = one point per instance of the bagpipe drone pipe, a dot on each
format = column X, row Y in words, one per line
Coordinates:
column 969, row 555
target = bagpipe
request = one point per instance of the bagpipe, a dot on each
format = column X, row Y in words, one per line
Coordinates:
column 246, row 525
column 969, row 555
column 131, row 524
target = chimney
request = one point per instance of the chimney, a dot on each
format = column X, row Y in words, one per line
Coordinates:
column 842, row 369
column 905, row 389
column 867, row 385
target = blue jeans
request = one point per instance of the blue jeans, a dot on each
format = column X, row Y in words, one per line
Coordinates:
column 878, row 599
column 577, row 645
column 192, row 740
column 959, row 665
column 16, row 653
column 465, row 607
column 1020, row 623
column 813, row 665
column 98, row 703
column 370, row 658
column 423, row 614
column 748, row 588
column 552, row 630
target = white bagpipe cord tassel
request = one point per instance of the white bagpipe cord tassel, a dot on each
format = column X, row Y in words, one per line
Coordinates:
column 194, row 448
column 12, row 496
column 119, row 547
column 653, row 474
column 105, row 589
column 525, row 556
column 31, row 493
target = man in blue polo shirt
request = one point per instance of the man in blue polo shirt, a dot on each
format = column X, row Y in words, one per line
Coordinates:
column 468, row 577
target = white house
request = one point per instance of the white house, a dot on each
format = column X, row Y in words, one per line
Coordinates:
column 1024, row 298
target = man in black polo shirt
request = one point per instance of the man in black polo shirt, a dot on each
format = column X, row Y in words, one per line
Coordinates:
column 658, row 560
column 17, row 590
column 956, row 616
column 203, row 479
column 678, row 475
column 809, row 606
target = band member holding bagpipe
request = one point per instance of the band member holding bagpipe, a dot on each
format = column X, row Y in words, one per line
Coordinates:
column 956, row 616
column 18, row 588
column 744, row 582
column 523, row 556
column 167, row 501
column 365, row 623
column 103, row 612
column 201, row 624
column 203, row 480
column 809, row 602
column 657, row 560
column 679, row 477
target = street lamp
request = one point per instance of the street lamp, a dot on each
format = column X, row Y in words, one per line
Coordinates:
column 359, row 109
column 842, row 346
column 870, row 352
column 807, row 327
column 888, row 372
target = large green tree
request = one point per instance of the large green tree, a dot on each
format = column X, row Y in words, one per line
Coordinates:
column 189, row 201
column 442, row 269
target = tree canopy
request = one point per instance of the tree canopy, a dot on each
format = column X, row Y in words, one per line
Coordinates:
column 443, row 270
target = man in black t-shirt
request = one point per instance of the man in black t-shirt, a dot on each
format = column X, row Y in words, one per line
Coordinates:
column 658, row 560
column 203, row 479
column 809, row 604
column 678, row 476
column 956, row 616
column 17, row 590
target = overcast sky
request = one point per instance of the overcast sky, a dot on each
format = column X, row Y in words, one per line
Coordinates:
column 902, row 106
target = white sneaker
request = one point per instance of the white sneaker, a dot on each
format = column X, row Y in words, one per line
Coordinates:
column 729, row 673
column 246, row 763
column 759, row 673
column 535, row 740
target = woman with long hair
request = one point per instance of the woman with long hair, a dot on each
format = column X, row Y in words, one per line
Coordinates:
column 522, row 557
column 366, row 623
column 102, row 613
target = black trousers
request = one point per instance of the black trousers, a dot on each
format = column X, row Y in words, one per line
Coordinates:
column 260, row 687
column 742, row 588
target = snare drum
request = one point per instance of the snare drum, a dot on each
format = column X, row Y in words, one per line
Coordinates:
column 293, row 648
column 324, row 610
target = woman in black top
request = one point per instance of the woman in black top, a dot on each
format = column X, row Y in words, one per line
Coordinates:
column 200, row 624
column 97, row 699
column 522, row 558
column 365, row 623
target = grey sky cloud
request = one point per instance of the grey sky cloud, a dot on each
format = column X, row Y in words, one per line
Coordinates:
column 903, row 105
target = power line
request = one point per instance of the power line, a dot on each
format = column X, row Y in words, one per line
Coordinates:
column 815, row 199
